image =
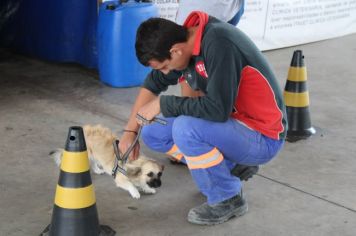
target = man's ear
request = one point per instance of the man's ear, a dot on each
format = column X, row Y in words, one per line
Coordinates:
column 179, row 52
column 176, row 49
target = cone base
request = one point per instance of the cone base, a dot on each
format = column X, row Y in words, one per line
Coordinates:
column 105, row 230
column 294, row 136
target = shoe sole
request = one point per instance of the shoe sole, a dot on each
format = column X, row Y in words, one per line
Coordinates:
column 176, row 162
column 245, row 172
column 236, row 213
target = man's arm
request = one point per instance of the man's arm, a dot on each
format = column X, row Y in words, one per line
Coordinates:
column 144, row 96
column 223, row 64
column 154, row 84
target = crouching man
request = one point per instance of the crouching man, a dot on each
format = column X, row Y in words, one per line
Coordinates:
column 231, row 113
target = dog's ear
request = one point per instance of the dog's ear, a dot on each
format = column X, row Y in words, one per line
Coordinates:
column 133, row 172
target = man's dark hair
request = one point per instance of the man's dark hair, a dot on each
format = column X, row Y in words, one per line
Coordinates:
column 155, row 37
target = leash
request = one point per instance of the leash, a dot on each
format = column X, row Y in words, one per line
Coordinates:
column 124, row 158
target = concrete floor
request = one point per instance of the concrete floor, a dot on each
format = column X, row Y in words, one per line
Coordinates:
column 309, row 189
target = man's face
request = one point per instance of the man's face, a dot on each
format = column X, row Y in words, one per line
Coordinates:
column 178, row 61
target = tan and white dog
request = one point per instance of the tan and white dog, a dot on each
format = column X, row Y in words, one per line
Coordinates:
column 143, row 174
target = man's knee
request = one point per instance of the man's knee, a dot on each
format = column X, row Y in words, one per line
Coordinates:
column 182, row 128
column 157, row 139
column 146, row 134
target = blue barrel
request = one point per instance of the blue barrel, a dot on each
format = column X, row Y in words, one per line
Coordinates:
column 118, row 22
column 62, row 31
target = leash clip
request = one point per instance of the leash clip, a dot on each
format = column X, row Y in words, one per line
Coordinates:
column 155, row 119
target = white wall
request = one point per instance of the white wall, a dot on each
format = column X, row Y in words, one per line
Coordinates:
column 281, row 23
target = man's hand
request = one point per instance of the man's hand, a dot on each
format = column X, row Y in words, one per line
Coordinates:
column 125, row 142
column 149, row 111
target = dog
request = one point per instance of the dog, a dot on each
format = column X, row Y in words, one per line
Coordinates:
column 142, row 174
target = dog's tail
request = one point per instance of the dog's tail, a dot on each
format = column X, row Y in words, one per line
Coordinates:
column 56, row 155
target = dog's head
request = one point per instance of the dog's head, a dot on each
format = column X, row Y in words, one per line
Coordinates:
column 151, row 173
column 148, row 172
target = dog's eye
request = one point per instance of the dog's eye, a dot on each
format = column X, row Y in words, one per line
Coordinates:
column 150, row 174
column 159, row 174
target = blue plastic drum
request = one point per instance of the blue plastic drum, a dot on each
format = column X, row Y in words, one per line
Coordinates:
column 118, row 22
column 61, row 31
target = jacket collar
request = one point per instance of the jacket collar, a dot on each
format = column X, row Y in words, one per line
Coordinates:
column 200, row 19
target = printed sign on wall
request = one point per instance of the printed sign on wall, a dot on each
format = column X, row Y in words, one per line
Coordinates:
column 167, row 8
column 281, row 23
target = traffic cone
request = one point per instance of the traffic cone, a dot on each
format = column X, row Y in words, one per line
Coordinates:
column 74, row 212
column 296, row 98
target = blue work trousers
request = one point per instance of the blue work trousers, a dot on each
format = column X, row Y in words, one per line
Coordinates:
column 211, row 150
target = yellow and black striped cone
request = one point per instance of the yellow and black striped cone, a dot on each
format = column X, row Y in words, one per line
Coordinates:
column 296, row 97
column 74, row 212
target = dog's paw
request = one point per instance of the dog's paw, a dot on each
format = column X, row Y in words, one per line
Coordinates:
column 98, row 170
column 128, row 186
column 96, row 167
column 149, row 190
column 134, row 193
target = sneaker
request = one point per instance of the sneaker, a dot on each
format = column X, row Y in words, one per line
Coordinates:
column 206, row 214
column 244, row 172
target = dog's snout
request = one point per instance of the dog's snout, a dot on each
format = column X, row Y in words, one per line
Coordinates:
column 155, row 183
column 158, row 183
